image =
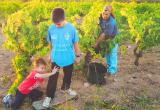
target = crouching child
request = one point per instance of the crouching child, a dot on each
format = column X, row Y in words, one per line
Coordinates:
column 29, row 87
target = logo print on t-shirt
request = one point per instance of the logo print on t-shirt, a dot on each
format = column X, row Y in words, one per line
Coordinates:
column 67, row 36
column 54, row 36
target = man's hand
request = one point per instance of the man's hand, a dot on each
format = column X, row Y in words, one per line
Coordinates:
column 77, row 61
column 78, row 58
column 77, row 52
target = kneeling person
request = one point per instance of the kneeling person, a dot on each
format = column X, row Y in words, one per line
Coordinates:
column 29, row 87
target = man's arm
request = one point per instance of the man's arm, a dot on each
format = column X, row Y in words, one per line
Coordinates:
column 76, row 48
column 49, row 53
column 49, row 46
column 77, row 52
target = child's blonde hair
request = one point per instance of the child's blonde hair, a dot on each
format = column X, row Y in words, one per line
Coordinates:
column 39, row 61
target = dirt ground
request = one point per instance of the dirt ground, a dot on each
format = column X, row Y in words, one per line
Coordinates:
column 133, row 88
column 5, row 67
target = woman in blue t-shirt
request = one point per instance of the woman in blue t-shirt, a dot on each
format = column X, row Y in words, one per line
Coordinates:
column 109, row 30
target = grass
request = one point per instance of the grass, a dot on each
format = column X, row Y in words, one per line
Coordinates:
column 141, row 102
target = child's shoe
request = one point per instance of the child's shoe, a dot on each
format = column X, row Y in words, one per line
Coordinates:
column 47, row 102
column 7, row 100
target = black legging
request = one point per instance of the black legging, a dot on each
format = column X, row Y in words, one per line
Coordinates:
column 34, row 95
column 52, row 82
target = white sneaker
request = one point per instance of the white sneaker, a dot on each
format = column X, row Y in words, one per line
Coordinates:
column 72, row 92
column 46, row 102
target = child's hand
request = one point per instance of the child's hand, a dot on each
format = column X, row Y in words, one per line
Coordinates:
column 55, row 69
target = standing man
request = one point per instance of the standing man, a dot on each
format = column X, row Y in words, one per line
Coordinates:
column 109, row 31
column 63, row 41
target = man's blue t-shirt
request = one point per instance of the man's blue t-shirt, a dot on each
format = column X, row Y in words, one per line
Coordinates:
column 62, row 40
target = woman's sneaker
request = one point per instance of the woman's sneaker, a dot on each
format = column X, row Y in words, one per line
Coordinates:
column 70, row 92
column 46, row 102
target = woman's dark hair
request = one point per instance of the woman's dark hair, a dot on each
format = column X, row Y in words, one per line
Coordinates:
column 39, row 61
column 58, row 15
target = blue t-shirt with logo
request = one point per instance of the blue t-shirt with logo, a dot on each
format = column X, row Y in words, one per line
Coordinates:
column 62, row 40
